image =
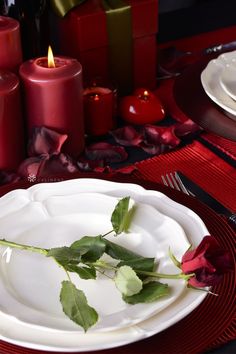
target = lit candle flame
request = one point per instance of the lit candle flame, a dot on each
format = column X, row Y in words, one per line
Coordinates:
column 51, row 62
column 146, row 94
column 96, row 97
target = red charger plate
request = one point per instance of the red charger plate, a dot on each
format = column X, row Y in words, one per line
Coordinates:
column 194, row 102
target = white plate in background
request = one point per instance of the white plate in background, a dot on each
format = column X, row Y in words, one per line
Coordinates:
column 212, row 83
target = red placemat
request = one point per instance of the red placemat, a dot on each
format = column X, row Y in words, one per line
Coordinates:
column 198, row 163
column 211, row 324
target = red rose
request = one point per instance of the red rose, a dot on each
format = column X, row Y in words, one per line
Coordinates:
column 208, row 261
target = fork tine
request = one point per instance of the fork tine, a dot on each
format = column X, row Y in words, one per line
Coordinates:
column 176, row 186
column 181, row 185
column 164, row 181
column 173, row 180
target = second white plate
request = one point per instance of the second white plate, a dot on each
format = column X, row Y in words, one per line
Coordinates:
column 212, row 83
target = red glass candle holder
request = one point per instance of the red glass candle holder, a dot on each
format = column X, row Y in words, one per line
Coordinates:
column 100, row 106
column 11, row 51
column 12, row 149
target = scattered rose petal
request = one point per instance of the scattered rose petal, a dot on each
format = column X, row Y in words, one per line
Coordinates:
column 106, row 152
column 45, row 141
column 89, row 165
column 57, row 164
column 160, row 135
column 154, row 149
column 127, row 136
column 127, row 170
column 208, row 261
column 8, row 177
column 30, row 166
column 188, row 127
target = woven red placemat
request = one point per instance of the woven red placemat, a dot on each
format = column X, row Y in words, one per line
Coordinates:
column 198, row 163
column 210, row 324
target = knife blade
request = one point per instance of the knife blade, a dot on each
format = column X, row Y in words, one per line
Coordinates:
column 203, row 196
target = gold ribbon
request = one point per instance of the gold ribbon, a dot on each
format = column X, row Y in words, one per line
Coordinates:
column 119, row 28
column 61, row 7
column 118, row 15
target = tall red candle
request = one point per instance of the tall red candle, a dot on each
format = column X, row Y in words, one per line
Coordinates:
column 54, row 98
column 10, row 44
column 11, row 124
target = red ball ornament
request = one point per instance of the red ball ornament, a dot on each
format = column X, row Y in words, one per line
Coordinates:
column 142, row 107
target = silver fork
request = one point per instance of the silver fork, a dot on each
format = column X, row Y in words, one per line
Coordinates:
column 173, row 180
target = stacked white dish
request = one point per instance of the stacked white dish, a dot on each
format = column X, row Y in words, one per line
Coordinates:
column 219, row 82
column 57, row 214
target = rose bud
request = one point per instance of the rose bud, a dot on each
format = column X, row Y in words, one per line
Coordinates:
column 209, row 262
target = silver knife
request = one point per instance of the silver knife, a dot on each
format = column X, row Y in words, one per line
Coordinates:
column 195, row 190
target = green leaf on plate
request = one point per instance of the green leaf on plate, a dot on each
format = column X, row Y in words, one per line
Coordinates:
column 75, row 306
column 150, row 292
column 127, row 281
column 129, row 258
column 122, row 216
column 83, row 272
column 65, row 255
column 95, row 246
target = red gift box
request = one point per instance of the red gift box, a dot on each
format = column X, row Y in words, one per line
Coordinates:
column 84, row 34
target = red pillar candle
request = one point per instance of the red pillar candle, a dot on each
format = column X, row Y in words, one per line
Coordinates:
column 11, row 124
column 99, row 109
column 10, row 44
column 54, row 98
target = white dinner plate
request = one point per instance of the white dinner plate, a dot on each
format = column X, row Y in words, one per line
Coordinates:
column 227, row 79
column 212, row 83
column 56, row 214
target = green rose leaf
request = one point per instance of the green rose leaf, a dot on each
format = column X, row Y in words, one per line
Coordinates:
column 66, row 255
column 129, row 258
column 75, row 306
column 122, row 216
column 150, row 292
column 95, row 247
column 127, row 281
column 83, row 272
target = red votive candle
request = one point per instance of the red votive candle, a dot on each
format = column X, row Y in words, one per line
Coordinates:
column 99, row 109
column 11, row 124
column 54, row 98
column 10, row 43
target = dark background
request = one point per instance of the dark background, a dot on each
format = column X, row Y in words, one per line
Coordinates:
column 184, row 18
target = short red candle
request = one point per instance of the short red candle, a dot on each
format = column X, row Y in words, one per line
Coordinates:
column 11, row 52
column 54, row 98
column 99, row 109
column 142, row 107
column 12, row 149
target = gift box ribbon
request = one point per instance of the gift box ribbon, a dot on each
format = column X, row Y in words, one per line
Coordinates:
column 119, row 29
column 61, row 7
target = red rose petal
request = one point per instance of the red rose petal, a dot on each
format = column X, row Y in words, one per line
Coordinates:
column 106, row 152
column 57, row 164
column 8, row 177
column 156, row 135
column 45, row 141
column 127, row 136
column 188, row 127
column 30, row 166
